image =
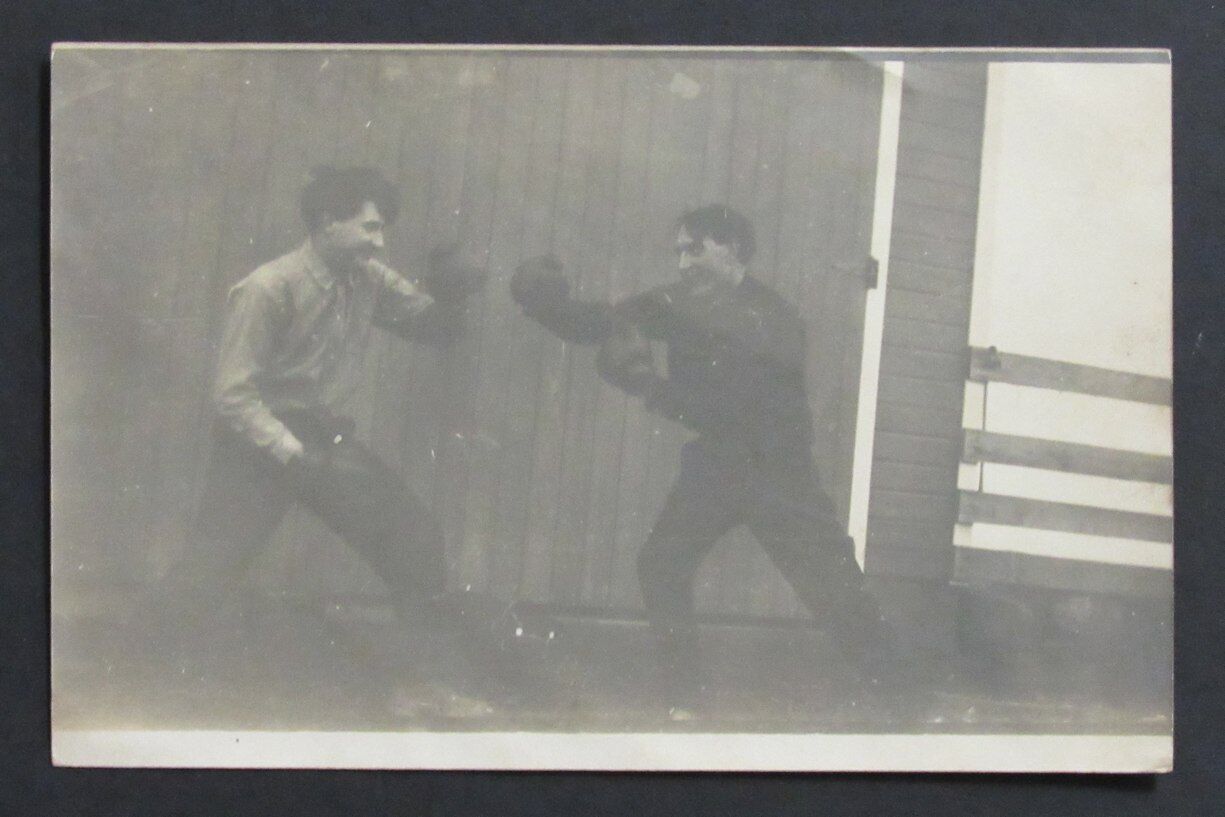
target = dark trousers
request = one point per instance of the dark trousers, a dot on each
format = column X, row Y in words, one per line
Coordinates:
column 793, row 519
column 247, row 494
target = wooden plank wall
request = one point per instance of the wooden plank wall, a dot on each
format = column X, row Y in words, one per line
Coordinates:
column 925, row 354
column 175, row 173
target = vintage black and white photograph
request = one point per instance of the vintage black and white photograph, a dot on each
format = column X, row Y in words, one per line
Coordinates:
column 611, row 408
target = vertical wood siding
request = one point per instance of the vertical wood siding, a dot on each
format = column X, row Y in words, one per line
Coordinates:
column 176, row 173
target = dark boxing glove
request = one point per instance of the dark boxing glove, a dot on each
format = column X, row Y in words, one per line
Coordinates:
column 539, row 283
column 625, row 360
column 450, row 278
column 647, row 308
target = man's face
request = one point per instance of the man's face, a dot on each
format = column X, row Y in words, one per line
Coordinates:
column 706, row 261
column 353, row 241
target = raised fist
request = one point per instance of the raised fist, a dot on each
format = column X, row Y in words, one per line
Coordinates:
column 538, row 283
column 625, row 360
column 647, row 308
column 450, row 278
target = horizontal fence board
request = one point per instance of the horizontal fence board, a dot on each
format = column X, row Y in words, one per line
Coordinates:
column 985, row 446
column 1058, row 516
column 983, row 567
column 987, row 365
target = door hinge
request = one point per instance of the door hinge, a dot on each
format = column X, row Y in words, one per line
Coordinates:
column 872, row 273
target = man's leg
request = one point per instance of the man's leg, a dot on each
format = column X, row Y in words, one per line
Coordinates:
column 796, row 524
column 197, row 604
column 696, row 514
column 370, row 507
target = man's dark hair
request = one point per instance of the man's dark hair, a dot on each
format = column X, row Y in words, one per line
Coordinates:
column 723, row 225
column 339, row 193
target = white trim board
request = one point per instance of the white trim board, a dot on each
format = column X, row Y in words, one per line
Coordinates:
column 874, row 315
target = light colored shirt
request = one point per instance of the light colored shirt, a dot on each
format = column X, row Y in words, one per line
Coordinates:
column 295, row 338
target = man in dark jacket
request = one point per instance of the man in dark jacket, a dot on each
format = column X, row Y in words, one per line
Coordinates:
column 735, row 375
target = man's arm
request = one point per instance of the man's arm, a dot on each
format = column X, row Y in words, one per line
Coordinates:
column 762, row 380
column 736, row 404
column 432, row 309
column 254, row 318
column 581, row 322
column 406, row 310
column 540, row 287
column 759, row 376
column 625, row 360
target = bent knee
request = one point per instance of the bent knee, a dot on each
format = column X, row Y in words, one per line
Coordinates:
column 653, row 559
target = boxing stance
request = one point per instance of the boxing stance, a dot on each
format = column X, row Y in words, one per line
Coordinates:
column 735, row 376
column 291, row 356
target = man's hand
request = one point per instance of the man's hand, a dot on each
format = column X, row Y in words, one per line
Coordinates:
column 539, row 283
column 286, row 447
column 647, row 308
column 625, row 360
column 450, row 278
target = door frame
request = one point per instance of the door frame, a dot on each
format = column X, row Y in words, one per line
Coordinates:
column 874, row 308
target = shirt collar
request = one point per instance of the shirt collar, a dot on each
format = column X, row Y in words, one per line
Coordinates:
column 316, row 266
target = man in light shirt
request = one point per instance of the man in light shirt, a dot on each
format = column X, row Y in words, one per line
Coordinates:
column 291, row 357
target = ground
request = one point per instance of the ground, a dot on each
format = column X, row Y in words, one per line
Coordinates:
column 293, row 665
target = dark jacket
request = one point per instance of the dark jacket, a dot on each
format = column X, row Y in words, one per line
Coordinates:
column 735, row 362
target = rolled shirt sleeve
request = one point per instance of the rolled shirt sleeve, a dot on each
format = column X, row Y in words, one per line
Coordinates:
column 400, row 303
column 256, row 312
